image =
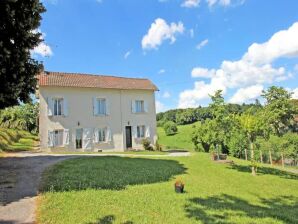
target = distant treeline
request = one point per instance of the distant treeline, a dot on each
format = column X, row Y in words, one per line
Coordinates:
column 191, row 115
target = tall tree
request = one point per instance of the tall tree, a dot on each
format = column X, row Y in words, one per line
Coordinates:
column 19, row 21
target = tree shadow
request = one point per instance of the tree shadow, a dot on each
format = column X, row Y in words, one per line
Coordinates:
column 228, row 209
column 265, row 171
column 109, row 172
column 108, row 219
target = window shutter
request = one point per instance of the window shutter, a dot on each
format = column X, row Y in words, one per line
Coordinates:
column 147, row 133
column 133, row 106
column 146, row 106
column 50, row 106
column 96, row 137
column 107, row 107
column 65, row 107
column 134, row 132
column 66, row 137
column 109, row 134
column 95, row 106
column 50, row 139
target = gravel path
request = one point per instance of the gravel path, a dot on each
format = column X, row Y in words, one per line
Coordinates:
column 20, row 175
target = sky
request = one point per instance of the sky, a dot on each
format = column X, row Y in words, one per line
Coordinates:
column 188, row 48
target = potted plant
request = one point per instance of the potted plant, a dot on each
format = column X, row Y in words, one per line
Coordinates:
column 179, row 186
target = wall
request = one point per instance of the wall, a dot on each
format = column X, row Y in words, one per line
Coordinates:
column 80, row 110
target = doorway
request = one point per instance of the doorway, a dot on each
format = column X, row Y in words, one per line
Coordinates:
column 128, row 137
column 79, row 137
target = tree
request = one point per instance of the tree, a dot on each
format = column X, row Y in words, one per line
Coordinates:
column 18, row 35
column 170, row 128
column 252, row 128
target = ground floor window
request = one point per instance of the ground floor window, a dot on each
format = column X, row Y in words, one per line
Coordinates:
column 58, row 137
column 141, row 131
column 102, row 134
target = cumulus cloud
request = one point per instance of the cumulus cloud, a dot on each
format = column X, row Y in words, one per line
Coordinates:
column 160, row 107
column 166, row 94
column 161, row 31
column 42, row 48
column 247, row 94
column 249, row 73
column 295, row 93
column 224, row 2
column 202, row 44
column 199, row 72
column 190, row 3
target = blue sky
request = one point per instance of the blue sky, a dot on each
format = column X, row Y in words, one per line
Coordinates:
column 188, row 48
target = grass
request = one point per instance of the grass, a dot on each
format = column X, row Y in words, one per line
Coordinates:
column 142, row 152
column 139, row 190
column 12, row 140
column 181, row 140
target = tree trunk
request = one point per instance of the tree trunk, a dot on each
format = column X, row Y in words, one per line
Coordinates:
column 253, row 166
column 270, row 157
column 245, row 153
column 261, row 156
column 217, row 152
column 282, row 160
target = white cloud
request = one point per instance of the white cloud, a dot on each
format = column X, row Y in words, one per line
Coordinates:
column 295, row 93
column 202, row 44
column 253, row 69
column 161, row 71
column 247, row 94
column 166, row 94
column 224, row 2
column 161, row 31
column 42, row 49
column 160, row 107
column 199, row 72
column 126, row 55
column 190, row 3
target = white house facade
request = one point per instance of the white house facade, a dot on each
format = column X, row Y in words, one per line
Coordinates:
column 80, row 112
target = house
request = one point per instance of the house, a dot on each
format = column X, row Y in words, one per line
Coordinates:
column 82, row 112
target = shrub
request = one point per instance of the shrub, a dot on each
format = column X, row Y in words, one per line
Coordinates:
column 147, row 144
column 170, row 128
column 158, row 146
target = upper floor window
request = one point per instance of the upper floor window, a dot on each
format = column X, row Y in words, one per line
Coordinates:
column 139, row 106
column 58, row 106
column 101, row 106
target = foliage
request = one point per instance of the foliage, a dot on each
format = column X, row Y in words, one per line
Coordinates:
column 147, row 144
column 170, row 128
column 16, row 140
column 19, row 34
column 157, row 146
column 23, row 117
column 215, row 193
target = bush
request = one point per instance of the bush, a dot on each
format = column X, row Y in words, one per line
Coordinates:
column 170, row 128
column 158, row 146
column 147, row 144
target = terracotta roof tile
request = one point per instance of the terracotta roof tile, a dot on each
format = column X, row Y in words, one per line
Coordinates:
column 93, row 81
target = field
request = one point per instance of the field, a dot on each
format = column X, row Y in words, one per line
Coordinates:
column 140, row 190
column 181, row 140
column 12, row 140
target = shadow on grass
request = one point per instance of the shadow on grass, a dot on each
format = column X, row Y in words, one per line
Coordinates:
column 265, row 170
column 110, row 172
column 109, row 219
column 229, row 209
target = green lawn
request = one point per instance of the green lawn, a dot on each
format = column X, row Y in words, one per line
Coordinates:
column 181, row 140
column 12, row 140
column 140, row 190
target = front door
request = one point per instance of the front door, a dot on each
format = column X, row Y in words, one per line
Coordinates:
column 87, row 138
column 128, row 137
column 79, row 137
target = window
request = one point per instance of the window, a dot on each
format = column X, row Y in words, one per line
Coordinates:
column 58, row 137
column 101, row 106
column 139, row 105
column 58, row 105
column 102, row 135
column 141, row 131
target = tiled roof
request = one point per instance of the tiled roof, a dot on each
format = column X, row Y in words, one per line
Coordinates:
column 93, row 81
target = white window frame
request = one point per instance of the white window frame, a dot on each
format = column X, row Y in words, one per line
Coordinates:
column 141, row 130
column 58, row 138
column 101, row 111
column 102, row 135
column 56, row 106
column 139, row 106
